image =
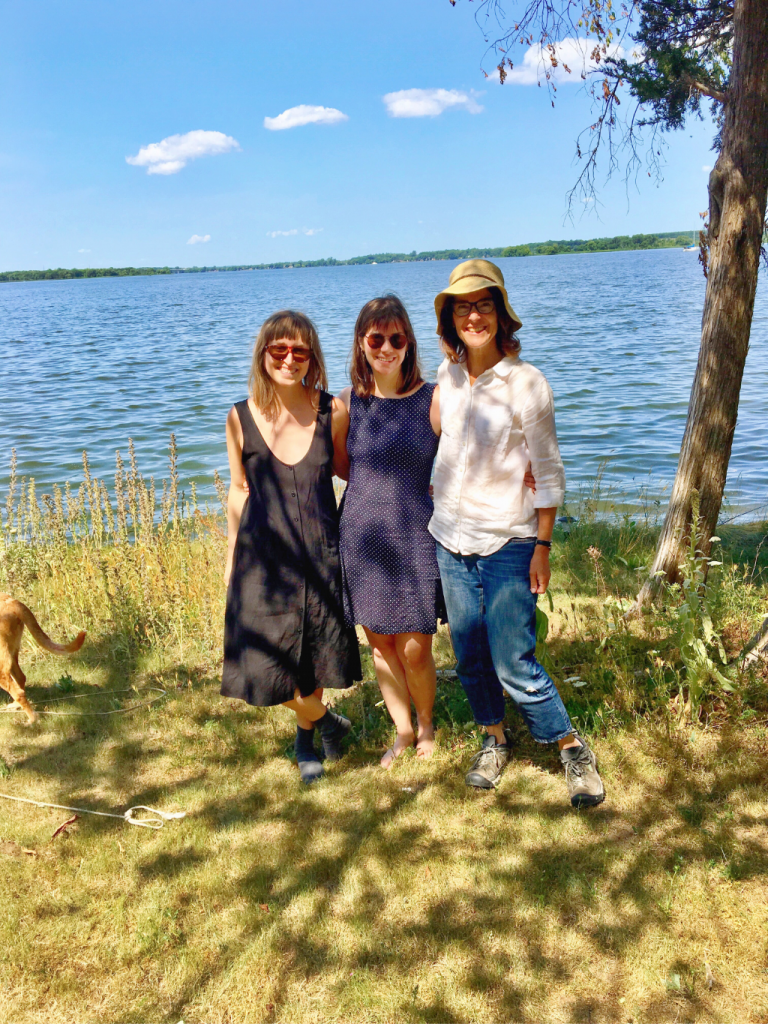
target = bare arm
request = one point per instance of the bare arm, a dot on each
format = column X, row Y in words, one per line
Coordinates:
column 238, row 491
column 339, row 431
column 539, row 570
column 434, row 411
column 345, row 396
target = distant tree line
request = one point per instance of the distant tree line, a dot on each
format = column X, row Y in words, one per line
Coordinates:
column 667, row 240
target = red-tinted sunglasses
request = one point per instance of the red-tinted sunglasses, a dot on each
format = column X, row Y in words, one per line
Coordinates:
column 279, row 352
column 397, row 340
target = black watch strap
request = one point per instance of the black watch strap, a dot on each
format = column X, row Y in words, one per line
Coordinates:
column 544, row 543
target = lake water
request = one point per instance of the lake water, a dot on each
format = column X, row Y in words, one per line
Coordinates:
column 88, row 364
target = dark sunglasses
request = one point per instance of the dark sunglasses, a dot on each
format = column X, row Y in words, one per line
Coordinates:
column 279, row 352
column 397, row 341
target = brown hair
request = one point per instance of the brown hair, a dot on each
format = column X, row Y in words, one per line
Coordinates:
column 292, row 326
column 379, row 313
column 506, row 339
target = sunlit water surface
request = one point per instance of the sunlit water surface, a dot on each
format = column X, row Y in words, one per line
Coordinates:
column 88, row 364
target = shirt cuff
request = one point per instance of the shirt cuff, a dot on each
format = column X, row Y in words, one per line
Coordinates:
column 548, row 498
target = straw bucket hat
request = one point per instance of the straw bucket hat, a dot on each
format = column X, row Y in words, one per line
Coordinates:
column 473, row 276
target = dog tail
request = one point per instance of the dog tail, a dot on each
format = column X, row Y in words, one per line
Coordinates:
column 42, row 638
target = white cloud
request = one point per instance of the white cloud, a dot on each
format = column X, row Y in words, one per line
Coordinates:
column 575, row 54
column 83, row 250
column 429, row 102
column 294, row 231
column 706, row 168
column 294, row 117
column 175, row 152
column 198, row 238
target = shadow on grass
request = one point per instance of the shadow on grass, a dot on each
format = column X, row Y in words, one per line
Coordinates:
column 576, row 878
column 358, row 846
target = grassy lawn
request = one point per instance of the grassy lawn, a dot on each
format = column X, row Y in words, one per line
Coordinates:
column 375, row 896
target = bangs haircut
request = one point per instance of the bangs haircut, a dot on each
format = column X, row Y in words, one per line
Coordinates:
column 383, row 312
column 287, row 325
column 507, row 341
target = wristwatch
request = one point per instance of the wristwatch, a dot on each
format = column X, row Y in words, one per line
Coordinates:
column 544, row 543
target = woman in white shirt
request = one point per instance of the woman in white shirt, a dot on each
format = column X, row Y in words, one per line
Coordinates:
column 493, row 534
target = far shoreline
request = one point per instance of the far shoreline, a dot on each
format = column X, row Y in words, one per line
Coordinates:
column 567, row 247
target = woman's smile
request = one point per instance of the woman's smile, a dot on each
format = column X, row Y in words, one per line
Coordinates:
column 476, row 329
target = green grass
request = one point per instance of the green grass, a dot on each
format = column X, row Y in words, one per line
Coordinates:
column 372, row 896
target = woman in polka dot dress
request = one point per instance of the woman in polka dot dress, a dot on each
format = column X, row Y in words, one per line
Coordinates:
column 391, row 577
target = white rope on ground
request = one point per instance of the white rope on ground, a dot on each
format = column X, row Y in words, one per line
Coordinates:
column 152, row 822
column 101, row 693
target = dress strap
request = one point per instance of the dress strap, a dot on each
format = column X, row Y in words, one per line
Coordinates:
column 252, row 439
column 325, row 405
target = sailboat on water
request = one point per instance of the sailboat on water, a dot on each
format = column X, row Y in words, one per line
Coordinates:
column 693, row 247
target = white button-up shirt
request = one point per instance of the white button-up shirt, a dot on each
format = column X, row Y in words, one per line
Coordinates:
column 490, row 431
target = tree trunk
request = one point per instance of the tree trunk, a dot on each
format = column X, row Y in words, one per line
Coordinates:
column 737, row 189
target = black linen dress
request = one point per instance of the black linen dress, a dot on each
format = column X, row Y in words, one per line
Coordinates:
column 284, row 625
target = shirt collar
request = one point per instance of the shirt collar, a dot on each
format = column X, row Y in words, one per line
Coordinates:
column 502, row 369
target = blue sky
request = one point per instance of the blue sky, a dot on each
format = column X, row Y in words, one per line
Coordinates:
column 89, row 84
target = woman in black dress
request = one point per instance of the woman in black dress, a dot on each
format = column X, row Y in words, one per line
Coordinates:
column 285, row 637
column 391, row 578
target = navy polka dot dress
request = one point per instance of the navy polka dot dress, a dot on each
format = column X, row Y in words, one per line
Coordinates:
column 391, row 579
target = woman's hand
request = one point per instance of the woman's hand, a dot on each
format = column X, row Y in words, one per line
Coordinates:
column 529, row 479
column 539, row 571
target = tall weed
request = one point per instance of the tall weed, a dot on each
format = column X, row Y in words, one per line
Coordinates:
column 700, row 643
column 132, row 569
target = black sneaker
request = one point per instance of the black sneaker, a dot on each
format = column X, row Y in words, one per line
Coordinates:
column 585, row 787
column 489, row 762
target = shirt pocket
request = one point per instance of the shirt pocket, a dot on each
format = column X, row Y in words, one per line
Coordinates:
column 491, row 424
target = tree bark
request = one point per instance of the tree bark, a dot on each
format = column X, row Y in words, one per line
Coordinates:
column 738, row 187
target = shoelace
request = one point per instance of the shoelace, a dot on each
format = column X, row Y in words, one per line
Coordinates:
column 579, row 763
column 486, row 754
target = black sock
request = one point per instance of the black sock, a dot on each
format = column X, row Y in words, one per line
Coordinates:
column 332, row 725
column 304, row 746
column 333, row 728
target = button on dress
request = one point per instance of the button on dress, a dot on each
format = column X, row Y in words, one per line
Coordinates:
column 284, row 626
column 391, row 578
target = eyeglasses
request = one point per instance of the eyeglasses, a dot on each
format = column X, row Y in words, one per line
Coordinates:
column 280, row 352
column 397, row 340
column 483, row 306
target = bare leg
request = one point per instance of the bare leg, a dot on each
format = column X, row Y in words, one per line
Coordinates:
column 497, row 731
column 568, row 742
column 307, row 709
column 414, row 651
column 394, row 689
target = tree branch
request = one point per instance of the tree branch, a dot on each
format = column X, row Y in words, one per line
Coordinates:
column 705, row 90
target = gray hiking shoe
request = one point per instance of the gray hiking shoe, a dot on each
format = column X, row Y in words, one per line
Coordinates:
column 489, row 762
column 585, row 787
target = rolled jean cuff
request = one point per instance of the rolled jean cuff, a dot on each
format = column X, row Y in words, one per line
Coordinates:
column 562, row 736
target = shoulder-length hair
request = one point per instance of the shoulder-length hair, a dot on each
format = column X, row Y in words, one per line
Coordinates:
column 507, row 341
column 287, row 325
column 382, row 312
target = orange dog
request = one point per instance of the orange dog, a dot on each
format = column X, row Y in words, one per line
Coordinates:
column 14, row 616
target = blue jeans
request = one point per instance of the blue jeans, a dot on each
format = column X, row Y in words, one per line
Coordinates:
column 492, row 615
